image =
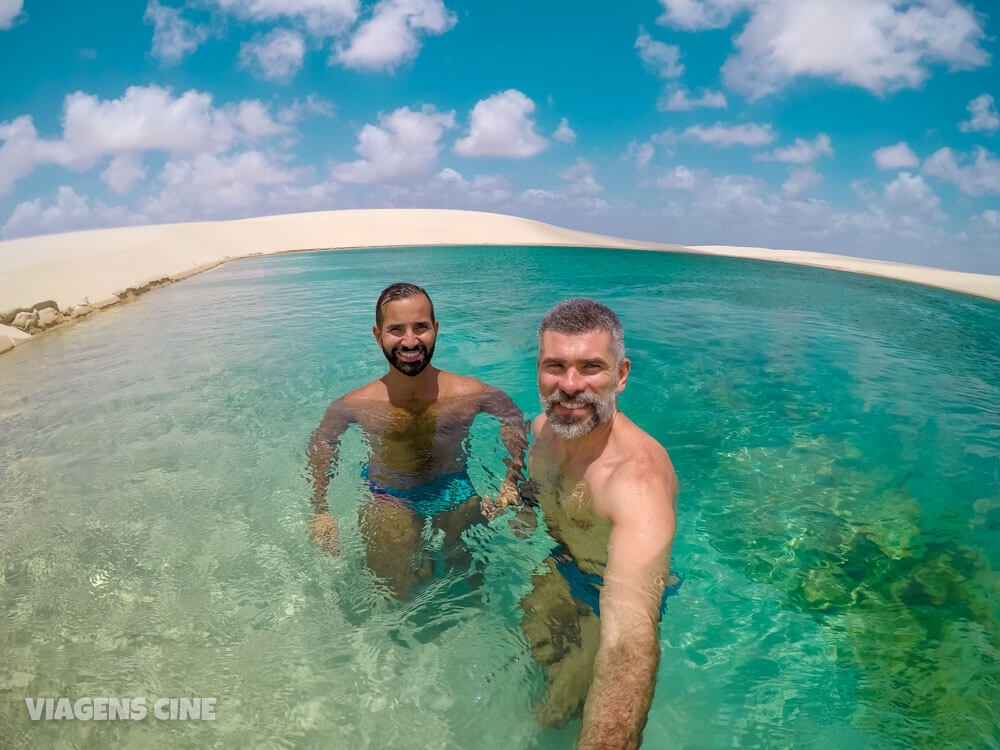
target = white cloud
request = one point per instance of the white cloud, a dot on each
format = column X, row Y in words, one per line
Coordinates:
column 502, row 126
column 404, row 145
column 69, row 212
column 312, row 105
column 143, row 119
column 173, row 36
column 729, row 135
column 320, row 17
column 482, row 190
column 640, row 153
column 910, row 194
column 680, row 101
column 681, row 178
column 276, row 56
column 879, row 45
column 124, row 171
column 895, row 157
column 564, row 133
column 800, row 152
column 206, row 185
column 18, row 152
column 696, row 15
column 9, row 11
column 580, row 179
column 983, row 116
column 981, row 177
column 665, row 59
column 801, row 181
column 987, row 220
column 390, row 36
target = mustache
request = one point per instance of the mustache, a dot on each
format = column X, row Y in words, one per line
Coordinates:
column 571, row 402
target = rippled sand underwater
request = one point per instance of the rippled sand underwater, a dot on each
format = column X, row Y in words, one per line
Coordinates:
column 836, row 439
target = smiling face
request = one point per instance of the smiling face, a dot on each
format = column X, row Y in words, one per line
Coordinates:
column 579, row 380
column 407, row 333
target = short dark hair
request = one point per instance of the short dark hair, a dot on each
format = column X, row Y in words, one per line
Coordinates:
column 394, row 292
column 580, row 315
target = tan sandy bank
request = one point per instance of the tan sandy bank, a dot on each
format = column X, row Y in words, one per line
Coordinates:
column 47, row 280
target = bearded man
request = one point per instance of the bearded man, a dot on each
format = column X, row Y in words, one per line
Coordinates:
column 608, row 494
column 415, row 418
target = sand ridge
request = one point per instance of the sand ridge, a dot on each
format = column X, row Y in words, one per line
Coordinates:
column 102, row 267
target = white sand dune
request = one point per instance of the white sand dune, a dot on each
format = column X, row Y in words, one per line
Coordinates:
column 98, row 266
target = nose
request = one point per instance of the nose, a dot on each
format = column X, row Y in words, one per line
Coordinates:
column 410, row 339
column 571, row 382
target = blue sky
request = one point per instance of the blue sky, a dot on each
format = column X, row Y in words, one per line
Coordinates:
column 863, row 127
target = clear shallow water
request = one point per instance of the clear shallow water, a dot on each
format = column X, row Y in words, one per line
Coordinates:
column 837, row 438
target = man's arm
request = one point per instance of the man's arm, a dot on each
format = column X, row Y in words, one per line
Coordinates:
column 322, row 453
column 514, row 435
column 628, row 654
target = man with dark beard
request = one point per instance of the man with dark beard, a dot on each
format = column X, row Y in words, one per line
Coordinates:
column 608, row 494
column 415, row 418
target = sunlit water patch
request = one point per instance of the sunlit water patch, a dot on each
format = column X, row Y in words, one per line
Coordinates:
column 837, row 440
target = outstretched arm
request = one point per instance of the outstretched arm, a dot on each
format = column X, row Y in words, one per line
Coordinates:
column 628, row 654
column 322, row 453
column 514, row 435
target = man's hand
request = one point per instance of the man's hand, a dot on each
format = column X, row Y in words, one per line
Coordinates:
column 507, row 497
column 323, row 531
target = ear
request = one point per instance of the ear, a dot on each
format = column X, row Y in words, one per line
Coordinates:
column 377, row 334
column 436, row 326
column 623, row 371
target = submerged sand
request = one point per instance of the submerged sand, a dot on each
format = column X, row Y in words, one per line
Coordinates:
column 102, row 267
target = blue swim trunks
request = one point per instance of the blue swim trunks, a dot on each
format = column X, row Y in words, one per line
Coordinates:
column 586, row 587
column 440, row 494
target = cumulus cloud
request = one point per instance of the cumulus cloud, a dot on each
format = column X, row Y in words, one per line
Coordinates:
column 879, row 45
column 9, row 11
column 502, row 126
column 404, row 145
column 312, row 105
column 801, row 181
column 983, row 116
column 321, row 17
column 18, row 152
column 681, row 101
column 173, row 36
column 911, row 194
column 205, row 185
column 392, row 35
column 665, row 59
column 639, row 153
column 69, row 211
column 276, row 56
column 895, row 157
column 564, row 133
column 681, row 178
column 123, row 172
column 697, row 15
column 729, row 135
column 800, row 152
column 580, row 179
column 143, row 119
column 982, row 177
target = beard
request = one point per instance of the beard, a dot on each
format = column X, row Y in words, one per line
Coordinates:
column 571, row 426
column 409, row 368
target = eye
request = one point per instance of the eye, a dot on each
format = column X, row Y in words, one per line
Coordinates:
column 395, row 330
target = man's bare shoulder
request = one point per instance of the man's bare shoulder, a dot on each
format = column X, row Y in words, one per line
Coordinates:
column 373, row 391
column 451, row 385
column 640, row 463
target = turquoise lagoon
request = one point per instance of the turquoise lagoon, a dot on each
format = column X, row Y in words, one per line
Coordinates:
column 837, row 439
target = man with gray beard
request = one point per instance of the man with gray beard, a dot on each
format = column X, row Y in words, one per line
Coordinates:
column 608, row 493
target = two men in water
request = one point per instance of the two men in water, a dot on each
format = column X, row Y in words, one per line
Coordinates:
column 606, row 488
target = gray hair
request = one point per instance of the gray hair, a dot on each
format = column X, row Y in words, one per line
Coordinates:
column 580, row 315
